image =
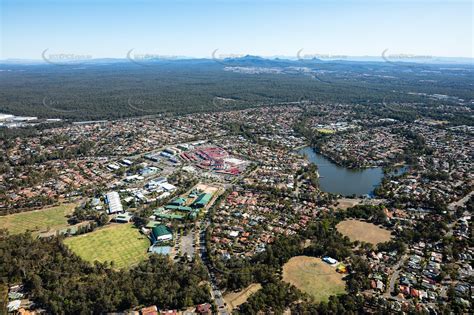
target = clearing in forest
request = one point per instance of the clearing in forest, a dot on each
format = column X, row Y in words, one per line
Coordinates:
column 121, row 243
column 362, row 231
column 235, row 299
column 38, row 221
column 314, row 277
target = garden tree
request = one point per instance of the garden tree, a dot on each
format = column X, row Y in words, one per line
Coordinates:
column 376, row 214
column 142, row 214
column 86, row 212
column 427, row 230
column 240, row 279
column 139, row 220
column 309, row 173
column 274, row 297
column 470, row 204
column 343, row 304
column 393, row 245
column 358, row 279
column 120, row 172
column 280, row 251
column 102, row 219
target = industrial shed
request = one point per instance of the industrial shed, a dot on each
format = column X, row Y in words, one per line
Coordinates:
column 202, row 200
column 161, row 233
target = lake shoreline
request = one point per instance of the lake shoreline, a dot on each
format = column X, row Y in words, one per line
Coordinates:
column 338, row 163
column 341, row 180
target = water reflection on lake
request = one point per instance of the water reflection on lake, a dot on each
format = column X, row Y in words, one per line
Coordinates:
column 341, row 180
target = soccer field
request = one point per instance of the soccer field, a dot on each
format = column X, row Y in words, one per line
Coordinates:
column 121, row 243
column 313, row 276
column 38, row 221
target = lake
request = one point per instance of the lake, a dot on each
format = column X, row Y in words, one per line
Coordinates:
column 341, row 180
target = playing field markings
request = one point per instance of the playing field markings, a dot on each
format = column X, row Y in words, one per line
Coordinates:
column 121, row 243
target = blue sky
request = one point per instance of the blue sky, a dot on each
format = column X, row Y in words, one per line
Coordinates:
column 110, row 28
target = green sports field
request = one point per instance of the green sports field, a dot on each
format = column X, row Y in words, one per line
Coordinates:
column 38, row 221
column 121, row 243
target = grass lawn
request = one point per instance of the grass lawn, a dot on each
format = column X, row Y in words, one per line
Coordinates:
column 363, row 231
column 314, row 277
column 121, row 243
column 37, row 221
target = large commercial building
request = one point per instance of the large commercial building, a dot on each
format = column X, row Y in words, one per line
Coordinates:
column 114, row 203
column 202, row 200
column 161, row 233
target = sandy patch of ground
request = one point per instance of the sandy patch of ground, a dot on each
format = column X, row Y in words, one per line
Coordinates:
column 207, row 188
column 235, row 299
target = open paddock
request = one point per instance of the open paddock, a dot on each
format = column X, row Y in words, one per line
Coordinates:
column 38, row 221
column 314, row 277
column 363, row 231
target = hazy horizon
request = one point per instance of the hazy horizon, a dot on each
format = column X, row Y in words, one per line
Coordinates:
column 427, row 58
column 355, row 28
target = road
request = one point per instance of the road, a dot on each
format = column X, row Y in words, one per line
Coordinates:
column 395, row 275
column 453, row 205
column 215, row 292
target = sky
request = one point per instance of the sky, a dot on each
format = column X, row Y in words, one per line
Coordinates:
column 196, row 28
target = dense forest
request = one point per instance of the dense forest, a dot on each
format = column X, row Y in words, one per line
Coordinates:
column 122, row 89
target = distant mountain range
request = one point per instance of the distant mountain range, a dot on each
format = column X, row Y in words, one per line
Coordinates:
column 258, row 61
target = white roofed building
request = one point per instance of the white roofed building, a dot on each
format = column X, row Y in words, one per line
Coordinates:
column 114, row 203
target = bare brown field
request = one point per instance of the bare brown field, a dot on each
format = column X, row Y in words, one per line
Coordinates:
column 346, row 203
column 235, row 299
column 362, row 231
column 207, row 188
column 314, row 277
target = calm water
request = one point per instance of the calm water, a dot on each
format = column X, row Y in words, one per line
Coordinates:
column 340, row 180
